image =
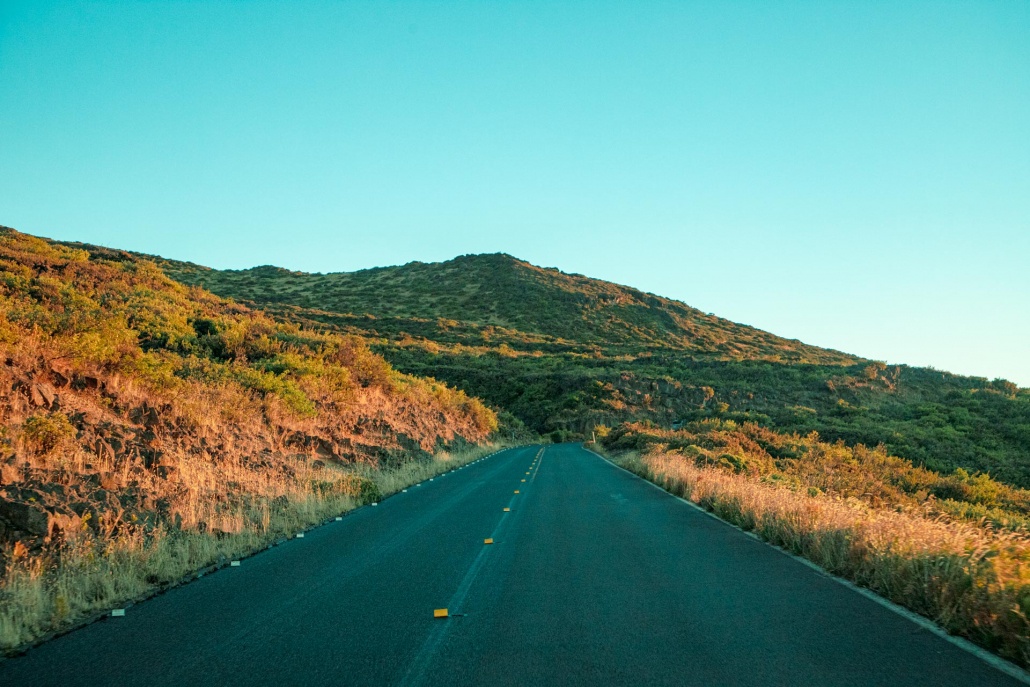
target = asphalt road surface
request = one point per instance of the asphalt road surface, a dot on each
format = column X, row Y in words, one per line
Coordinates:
column 594, row 578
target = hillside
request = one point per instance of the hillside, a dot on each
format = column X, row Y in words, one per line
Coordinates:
column 503, row 297
column 565, row 353
column 152, row 427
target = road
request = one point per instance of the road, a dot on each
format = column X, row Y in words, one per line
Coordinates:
column 594, row 577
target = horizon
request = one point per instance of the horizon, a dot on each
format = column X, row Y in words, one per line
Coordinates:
column 854, row 177
column 574, row 274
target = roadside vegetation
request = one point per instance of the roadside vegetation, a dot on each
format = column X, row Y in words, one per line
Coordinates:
column 68, row 582
column 950, row 547
column 148, row 429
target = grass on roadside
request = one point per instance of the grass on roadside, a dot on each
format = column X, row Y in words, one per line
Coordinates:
column 63, row 587
column 972, row 580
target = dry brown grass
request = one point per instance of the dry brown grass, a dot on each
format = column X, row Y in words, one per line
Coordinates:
column 970, row 579
column 148, row 430
column 225, row 512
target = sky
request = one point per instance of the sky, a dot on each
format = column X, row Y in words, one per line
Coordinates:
column 852, row 174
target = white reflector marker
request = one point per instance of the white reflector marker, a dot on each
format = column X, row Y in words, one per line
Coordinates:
column 234, row 564
column 300, row 535
column 118, row 613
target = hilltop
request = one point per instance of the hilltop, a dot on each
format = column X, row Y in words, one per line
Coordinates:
column 498, row 293
column 567, row 354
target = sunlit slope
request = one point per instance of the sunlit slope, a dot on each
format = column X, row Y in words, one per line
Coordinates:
column 501, row 292
column 129, row 401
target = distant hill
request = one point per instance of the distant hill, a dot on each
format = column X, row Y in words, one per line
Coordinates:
column 501, row 292
column 565, row 354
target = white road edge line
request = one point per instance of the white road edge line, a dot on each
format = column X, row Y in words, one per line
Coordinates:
column 995, row 661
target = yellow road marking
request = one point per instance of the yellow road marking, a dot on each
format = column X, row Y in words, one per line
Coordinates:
column 440, row 613
column 507, row 510
column 516, row 491
column 488, row 541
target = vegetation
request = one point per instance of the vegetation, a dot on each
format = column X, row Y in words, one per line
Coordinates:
column 147, row 428
column 480, row 296
column 807, row 464
column 90, row 573
column 564, row 353
column 154, row 427
column 932, row 555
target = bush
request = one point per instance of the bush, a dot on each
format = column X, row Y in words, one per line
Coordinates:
column 45, row 433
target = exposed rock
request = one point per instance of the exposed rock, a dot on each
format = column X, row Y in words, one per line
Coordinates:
column 324, row 448
column 151, row 418
column 48, row 393
column 10, row 474
column 66, row 525
column 26, row 516
column 82, row 382
column 36, row 396
column 104, row 450
column 169, row 472
column 151, row 457
column 59, row 378
column 146, row 415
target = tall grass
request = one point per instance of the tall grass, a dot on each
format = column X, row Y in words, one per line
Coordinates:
column 971, row 580
column 90, row 574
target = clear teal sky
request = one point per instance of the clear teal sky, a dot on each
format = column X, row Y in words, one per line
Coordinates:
column 853, row 174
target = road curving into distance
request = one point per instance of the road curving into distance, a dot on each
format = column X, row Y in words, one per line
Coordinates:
column 594, row 577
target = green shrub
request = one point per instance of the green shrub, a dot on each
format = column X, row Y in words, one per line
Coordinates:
column 45, row 433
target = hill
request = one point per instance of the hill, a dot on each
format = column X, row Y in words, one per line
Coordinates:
column 499, row 294
column 567, row 354
column 148, row 429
